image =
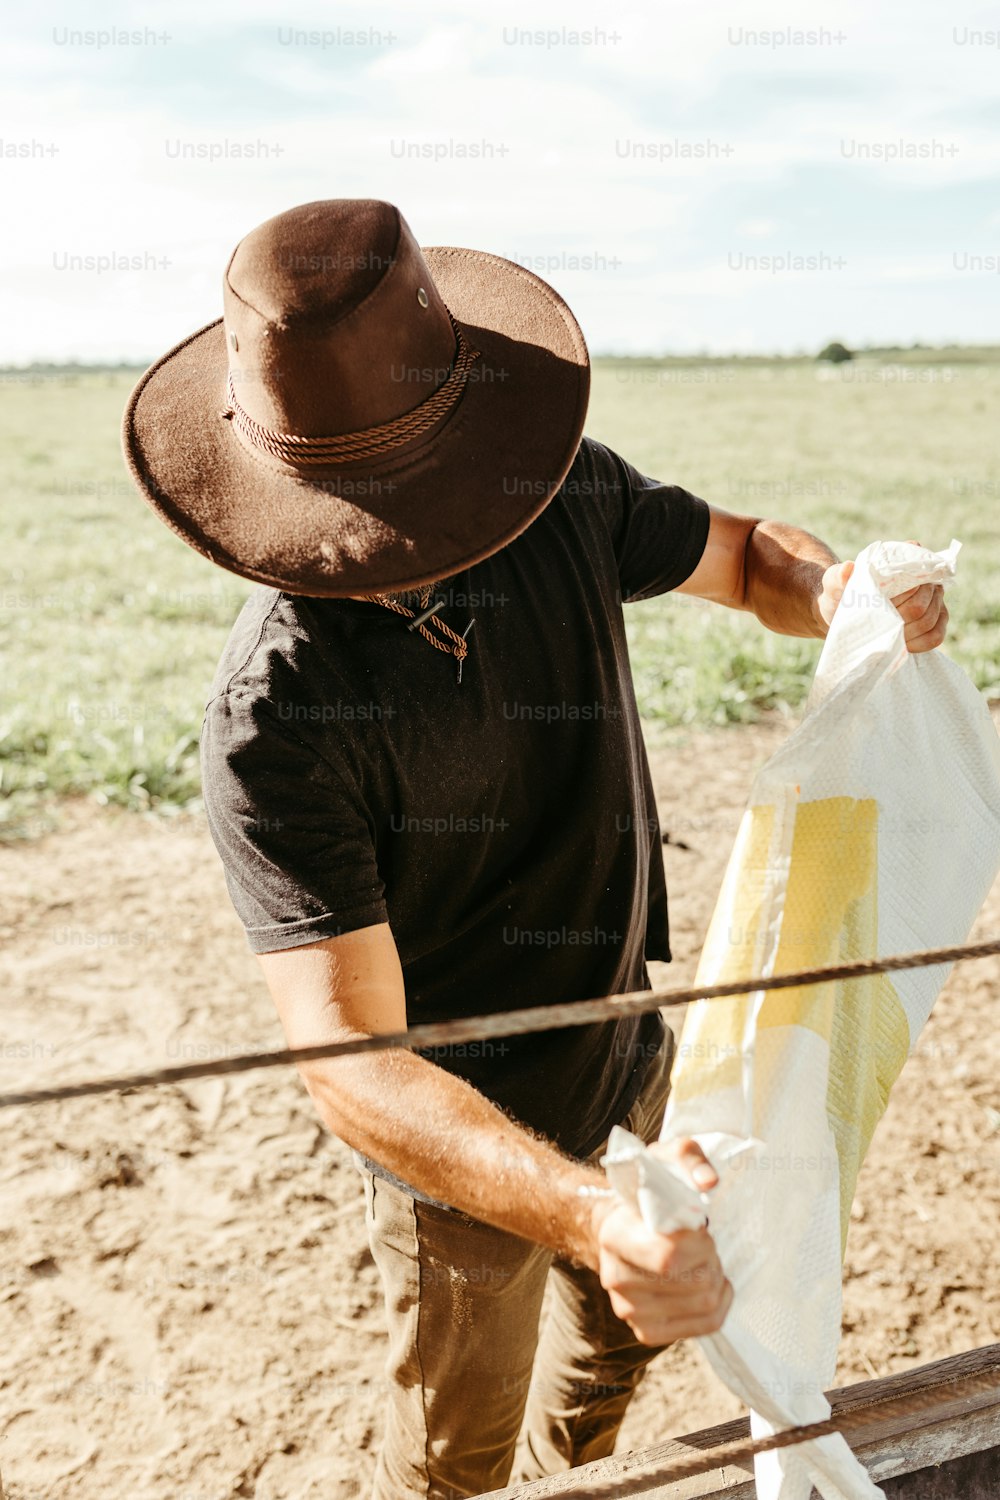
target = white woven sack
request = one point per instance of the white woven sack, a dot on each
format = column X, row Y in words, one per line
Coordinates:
column 875, row 829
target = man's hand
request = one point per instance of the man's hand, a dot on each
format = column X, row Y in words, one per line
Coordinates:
column 791, row 582
column 924, row 612
column 665, row 1286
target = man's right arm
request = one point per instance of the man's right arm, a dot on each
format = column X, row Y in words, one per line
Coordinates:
column 435, row 1131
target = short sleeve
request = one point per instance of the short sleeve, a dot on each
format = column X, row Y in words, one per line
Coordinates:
column 658, row 531
column 296, row 842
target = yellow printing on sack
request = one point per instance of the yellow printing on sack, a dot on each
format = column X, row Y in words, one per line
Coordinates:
column 827, row 897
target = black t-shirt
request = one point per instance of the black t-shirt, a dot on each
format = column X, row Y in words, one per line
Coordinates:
column 505, row 827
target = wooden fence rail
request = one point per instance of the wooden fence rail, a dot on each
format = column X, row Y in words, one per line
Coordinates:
column 948, row 1451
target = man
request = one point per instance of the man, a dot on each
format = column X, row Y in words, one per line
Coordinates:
column 424, row 772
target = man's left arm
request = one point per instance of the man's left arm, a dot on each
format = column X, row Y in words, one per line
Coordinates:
column 793, row 582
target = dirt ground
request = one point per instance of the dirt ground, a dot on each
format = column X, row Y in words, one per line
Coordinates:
column 189, row 1309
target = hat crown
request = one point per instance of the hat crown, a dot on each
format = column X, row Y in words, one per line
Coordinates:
column 318, row 260
column 334, row 323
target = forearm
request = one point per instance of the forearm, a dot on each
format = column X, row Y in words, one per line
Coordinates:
column 440, row 1135
column 783, row 578
column 437, row 1133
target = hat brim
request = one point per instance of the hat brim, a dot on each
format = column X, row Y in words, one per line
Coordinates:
column 476, row 482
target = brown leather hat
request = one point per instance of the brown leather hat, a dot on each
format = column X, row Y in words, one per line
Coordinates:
column 366, row 415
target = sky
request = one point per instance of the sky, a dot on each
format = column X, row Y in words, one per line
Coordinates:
column 712, row 178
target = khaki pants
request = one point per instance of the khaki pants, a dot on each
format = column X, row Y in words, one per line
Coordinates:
column 467, row 1365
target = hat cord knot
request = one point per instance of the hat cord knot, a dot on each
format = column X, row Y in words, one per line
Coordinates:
column 455, row 645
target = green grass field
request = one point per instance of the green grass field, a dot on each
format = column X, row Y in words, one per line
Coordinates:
column 110, row 627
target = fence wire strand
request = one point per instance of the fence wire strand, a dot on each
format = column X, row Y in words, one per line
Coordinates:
column 436, row 1035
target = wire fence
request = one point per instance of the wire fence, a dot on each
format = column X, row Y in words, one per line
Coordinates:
column 476, row 1028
